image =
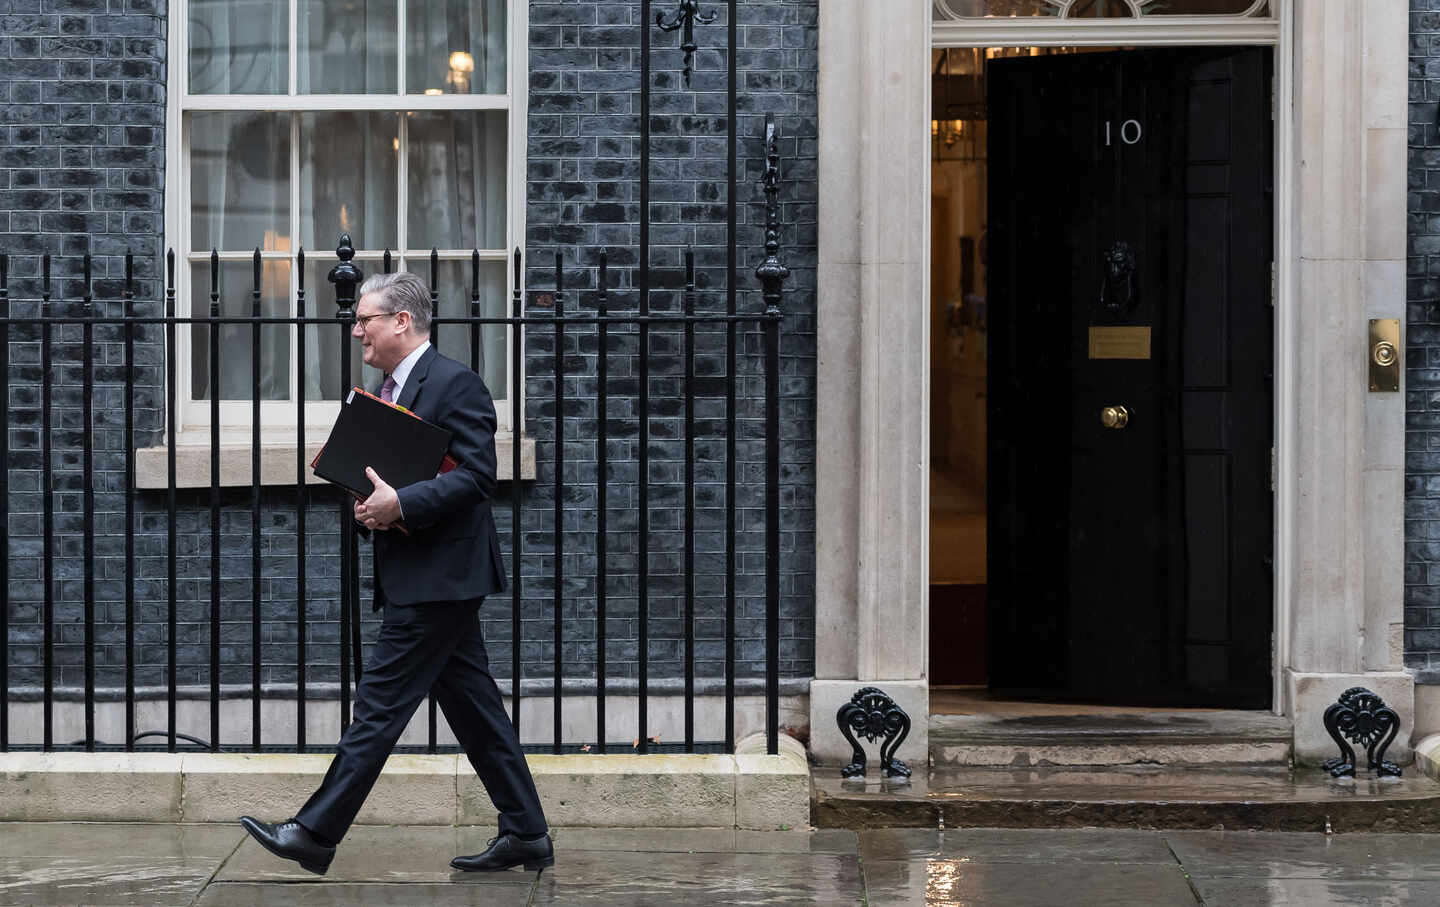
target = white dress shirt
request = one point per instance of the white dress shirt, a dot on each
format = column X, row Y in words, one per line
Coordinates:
column 402, row 371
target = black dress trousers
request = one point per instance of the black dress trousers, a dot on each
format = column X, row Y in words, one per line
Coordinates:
column 423, row 648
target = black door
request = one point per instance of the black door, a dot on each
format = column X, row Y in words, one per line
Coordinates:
column 1130, row 501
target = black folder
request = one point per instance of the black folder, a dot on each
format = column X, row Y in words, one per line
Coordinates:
column 400, row 446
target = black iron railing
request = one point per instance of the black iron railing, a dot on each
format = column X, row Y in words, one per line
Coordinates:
column 54, row 315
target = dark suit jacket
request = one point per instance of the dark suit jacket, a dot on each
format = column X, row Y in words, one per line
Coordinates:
column 452, row 552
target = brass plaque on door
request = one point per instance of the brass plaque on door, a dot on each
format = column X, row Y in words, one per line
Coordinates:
column 1119, row 342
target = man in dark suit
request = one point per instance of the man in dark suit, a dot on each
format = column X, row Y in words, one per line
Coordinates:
column 431, row 584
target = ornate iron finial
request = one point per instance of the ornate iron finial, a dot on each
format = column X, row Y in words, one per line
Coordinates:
column 686, row 17
column 1367, row 721
column 771, row 272
column 346, row 277
column 872, row 714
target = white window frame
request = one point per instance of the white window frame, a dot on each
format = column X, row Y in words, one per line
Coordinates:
column 192, row 420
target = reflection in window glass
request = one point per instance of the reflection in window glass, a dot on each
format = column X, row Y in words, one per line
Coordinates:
column 322, row 372
column 1092, row 9
column 964, row 9
column 453, row 340
column 1095, row 9
column 1200, row 7
column 239, row 180
column 349, row 163
column 322, row 377
column 456, row 180
column 455, row 46
column 237, row 280
column 347, row 48
column 238, row 46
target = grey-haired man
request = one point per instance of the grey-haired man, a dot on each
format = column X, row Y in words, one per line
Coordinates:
column 431, row 584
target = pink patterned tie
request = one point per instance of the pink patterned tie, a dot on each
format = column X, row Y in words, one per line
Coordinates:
column 387, row 390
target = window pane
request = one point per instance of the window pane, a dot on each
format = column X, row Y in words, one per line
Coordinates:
column 455, row 46
column 238, row 46
column 454, row 339
column 347, row 48
column 349, row 179
column 239, row 181
column 456, row 179
column 236, row 286
column 1088, row 9
column 964, row 9
column 322, row 378
column 1199, row 7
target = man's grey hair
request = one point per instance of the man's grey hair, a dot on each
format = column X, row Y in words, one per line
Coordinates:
column 402, row 292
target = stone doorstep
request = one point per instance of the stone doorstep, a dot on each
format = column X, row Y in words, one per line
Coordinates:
column 1264, row 798
column 1144, row 738
column 1118, row 752
column 748, row 790
column 1427, row 756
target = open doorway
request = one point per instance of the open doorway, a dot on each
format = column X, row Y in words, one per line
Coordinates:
column 959, row 176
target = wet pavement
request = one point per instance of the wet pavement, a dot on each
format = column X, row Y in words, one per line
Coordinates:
column 114, row 864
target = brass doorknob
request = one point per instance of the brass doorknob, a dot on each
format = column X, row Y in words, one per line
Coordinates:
column 1114, row 417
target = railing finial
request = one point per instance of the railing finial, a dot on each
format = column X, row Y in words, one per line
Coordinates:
column 346, row 277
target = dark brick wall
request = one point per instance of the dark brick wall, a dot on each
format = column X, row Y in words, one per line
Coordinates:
column 1422, row 372
column 583, row 196
column 82, row 164
column 81, row 169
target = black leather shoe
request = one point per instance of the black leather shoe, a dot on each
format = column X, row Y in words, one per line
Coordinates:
column 292, row 841
column 507, row 852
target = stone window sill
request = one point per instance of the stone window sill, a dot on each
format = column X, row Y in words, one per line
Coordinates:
column 277, row 460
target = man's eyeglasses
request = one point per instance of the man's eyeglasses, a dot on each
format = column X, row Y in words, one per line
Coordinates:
column 363, row 320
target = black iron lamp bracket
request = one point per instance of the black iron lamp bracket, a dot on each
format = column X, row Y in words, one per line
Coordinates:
column 686, row 17
column 770, row 272
column 1362, row 718
column 873, row 715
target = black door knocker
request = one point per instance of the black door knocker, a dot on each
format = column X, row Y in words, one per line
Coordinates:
column 1118, row 294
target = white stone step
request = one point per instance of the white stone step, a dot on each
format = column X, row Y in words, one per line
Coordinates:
column 1190, row 737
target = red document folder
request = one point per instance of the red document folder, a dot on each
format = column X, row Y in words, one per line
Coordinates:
column 400, row 446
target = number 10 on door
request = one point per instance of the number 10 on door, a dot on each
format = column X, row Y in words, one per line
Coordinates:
column 1130, row 132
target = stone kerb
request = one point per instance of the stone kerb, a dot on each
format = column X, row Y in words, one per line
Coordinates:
column 749, row 790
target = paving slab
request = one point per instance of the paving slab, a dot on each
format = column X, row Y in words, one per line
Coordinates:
column 643, row 880
column 1015, row 845
column 82, row 880
column 1354, row 857
column 350, row 894
column 1317, row 893
column 115, row 839
column 703, row 840
column 109, row 864
column 945, row 882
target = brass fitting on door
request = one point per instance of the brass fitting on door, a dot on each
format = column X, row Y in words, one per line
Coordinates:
column 1384, row 354
column 1115, row 417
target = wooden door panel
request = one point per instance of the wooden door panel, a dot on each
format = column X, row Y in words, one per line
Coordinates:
column 1125, row 564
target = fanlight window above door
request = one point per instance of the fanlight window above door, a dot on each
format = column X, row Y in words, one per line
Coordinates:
column 1097, row 9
